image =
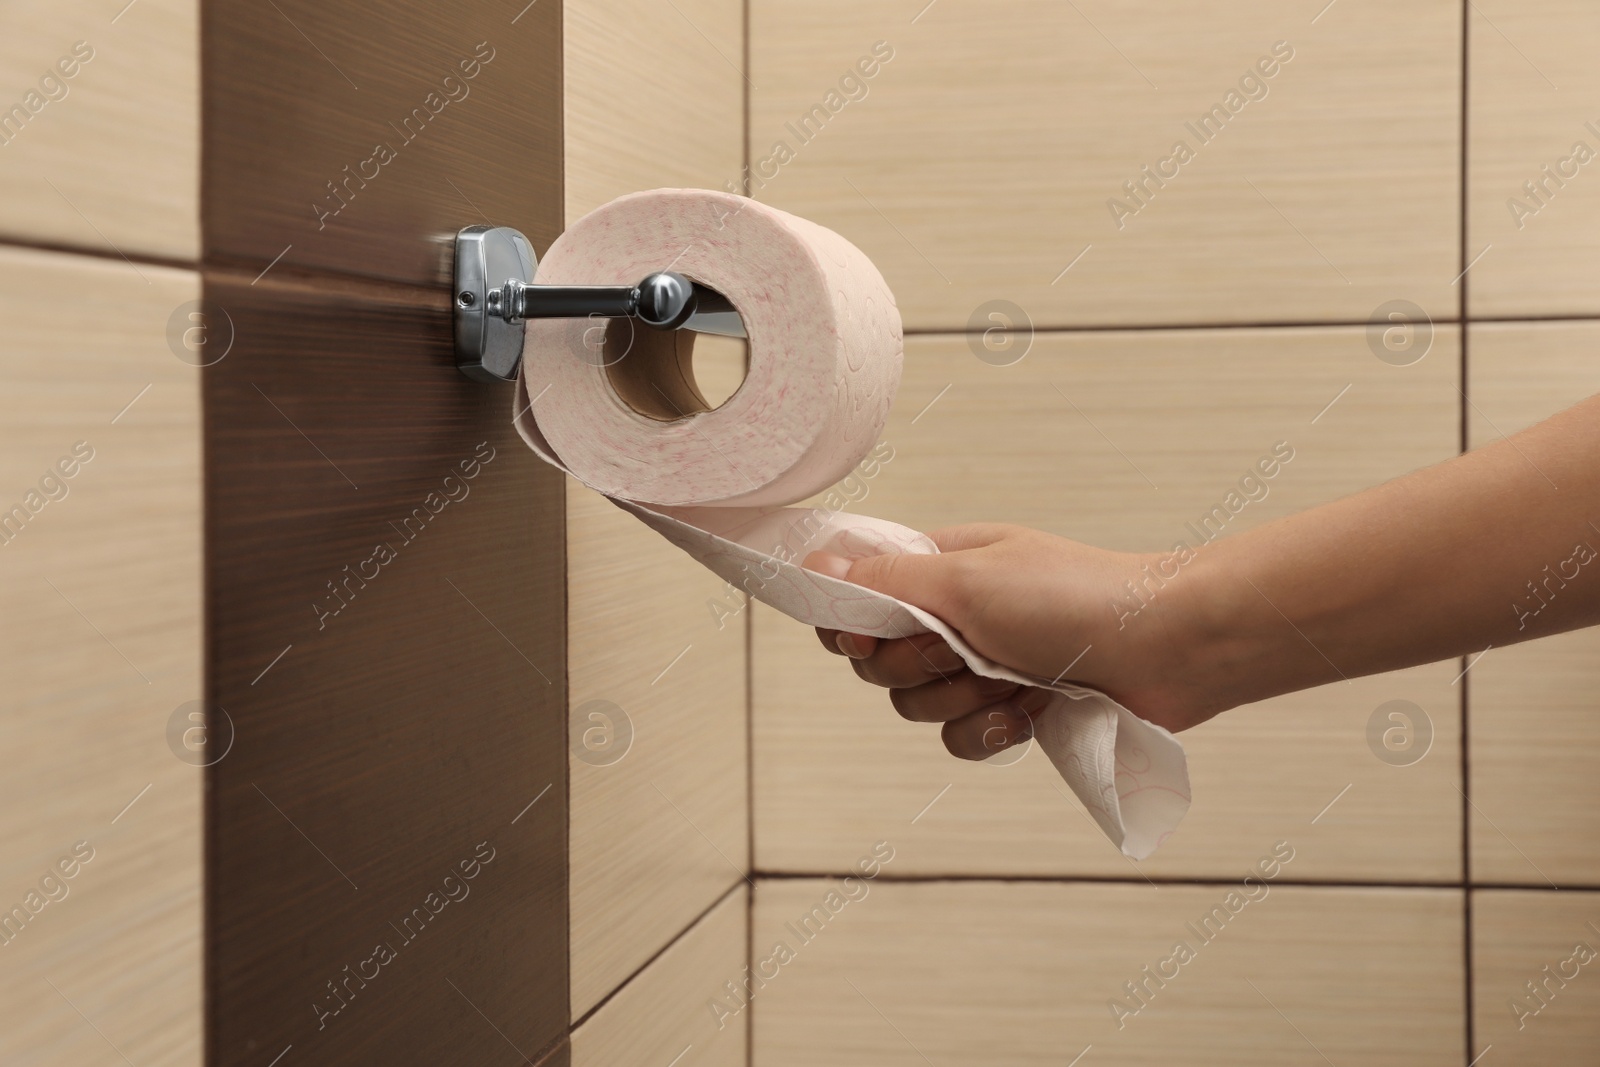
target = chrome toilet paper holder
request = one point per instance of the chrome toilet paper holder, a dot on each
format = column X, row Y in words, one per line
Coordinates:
column 495, row 295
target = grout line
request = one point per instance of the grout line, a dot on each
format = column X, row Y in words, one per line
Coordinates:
column 656, row 955
column 136, row 258
column 1168, row 327
column 1530, row 319
column 564, row 702
column 750, row 815
column 1464, row 442
column 1478, row 320
column 545, row 1056
column 1179, row 880
column 744, row 89
column 292, row 276
column 210, row 802
column 750, row 961
column 749, row 614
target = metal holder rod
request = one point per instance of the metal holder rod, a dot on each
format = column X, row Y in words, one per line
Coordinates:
column 493, row 299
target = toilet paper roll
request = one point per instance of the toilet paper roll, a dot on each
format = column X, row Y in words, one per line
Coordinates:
column 623, row 417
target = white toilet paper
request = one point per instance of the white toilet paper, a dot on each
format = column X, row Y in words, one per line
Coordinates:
column 825, row 356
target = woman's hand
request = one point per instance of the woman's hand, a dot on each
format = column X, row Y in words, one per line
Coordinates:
column 1042, row 605
column 1480, row 551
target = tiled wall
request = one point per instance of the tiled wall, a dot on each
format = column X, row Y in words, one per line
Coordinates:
column 1175, row 336
column 100, row 555
column 1171, row 336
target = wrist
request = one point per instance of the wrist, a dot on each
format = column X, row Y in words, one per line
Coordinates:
column 1221, row 634
column 1181, row 655
column 1245, row 645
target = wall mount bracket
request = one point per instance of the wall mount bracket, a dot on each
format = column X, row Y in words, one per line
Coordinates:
column 494, row 295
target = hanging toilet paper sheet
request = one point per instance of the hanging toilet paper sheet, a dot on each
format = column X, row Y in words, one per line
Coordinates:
column 824, row 364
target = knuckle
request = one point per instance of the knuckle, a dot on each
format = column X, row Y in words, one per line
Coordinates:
column 873, row 571
column 956, row 591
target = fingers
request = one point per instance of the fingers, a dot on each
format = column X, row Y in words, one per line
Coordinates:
column 908, row 661
column 928, row 682
column 995, row 728
column 897, row 663
column 844, row 643
column 928, row 580
column 950, row 698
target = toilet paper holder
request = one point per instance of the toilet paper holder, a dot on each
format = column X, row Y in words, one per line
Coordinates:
column 494, row 295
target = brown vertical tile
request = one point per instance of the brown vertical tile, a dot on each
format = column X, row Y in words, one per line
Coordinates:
column 360, row 137
column 386, row 634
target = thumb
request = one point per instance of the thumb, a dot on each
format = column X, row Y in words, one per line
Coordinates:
column 928, row 580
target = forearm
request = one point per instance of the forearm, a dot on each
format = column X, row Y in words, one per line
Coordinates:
column 1490, row 548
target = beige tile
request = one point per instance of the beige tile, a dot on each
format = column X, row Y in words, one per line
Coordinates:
column 103, row 646
column 1522, row 372
column 1026, row 973
column 1534, row 792
column 112, row 163
column 664, row 1011
column 1147, row 430
column 1530, row 103
column 983, row 158
column 1551, row 940
column 660, row 827
column 653, row 98
column 1533, row 707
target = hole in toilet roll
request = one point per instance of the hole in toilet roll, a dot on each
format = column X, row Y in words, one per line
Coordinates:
column 672, row 374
